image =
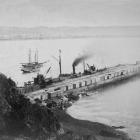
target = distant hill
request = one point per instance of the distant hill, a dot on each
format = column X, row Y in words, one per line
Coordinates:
column 20, row 33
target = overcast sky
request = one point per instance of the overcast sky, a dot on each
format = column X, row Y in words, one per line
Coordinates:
column 69, row 12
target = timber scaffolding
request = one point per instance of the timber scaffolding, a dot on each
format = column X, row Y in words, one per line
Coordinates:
column 80, row 83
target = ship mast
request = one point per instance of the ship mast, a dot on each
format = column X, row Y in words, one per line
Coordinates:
column 84, row 65
column 36, row 56
column 29, row 55
column 60, row 62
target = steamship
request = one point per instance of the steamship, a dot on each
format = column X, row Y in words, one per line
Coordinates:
column 90, row 79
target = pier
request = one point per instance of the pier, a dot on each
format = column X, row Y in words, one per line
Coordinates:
column 80, row 83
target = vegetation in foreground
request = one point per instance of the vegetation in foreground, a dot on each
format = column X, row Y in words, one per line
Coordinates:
column 22, row 120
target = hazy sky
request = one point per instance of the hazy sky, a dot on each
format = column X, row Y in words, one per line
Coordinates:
column 69, row 12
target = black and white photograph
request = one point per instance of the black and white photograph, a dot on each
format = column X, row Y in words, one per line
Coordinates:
column 69, row 70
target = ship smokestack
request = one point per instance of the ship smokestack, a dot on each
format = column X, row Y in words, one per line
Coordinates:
column 73, row 69
column 80, row 59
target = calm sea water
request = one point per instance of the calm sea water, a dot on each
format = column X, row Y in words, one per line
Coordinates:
column 115, row 106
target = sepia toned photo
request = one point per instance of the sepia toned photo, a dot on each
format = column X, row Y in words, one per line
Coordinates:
column 69, row 69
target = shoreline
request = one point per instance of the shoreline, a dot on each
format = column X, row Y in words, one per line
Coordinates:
column 116, row 128
column 73, row 127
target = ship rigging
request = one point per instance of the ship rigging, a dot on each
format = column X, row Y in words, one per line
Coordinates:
column 32, row 66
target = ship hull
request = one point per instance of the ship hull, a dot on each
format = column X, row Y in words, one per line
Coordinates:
column 31, row 67
column 29, row 71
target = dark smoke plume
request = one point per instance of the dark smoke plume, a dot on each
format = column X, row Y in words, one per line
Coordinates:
column 81, row 59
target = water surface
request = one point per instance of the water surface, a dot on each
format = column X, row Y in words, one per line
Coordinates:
column 115, row 106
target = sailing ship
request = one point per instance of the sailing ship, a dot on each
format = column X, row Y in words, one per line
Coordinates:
column 32, row 66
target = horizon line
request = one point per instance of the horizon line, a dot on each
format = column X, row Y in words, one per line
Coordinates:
column 65, row 26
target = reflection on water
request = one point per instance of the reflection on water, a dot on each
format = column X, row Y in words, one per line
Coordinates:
column 117, row 106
